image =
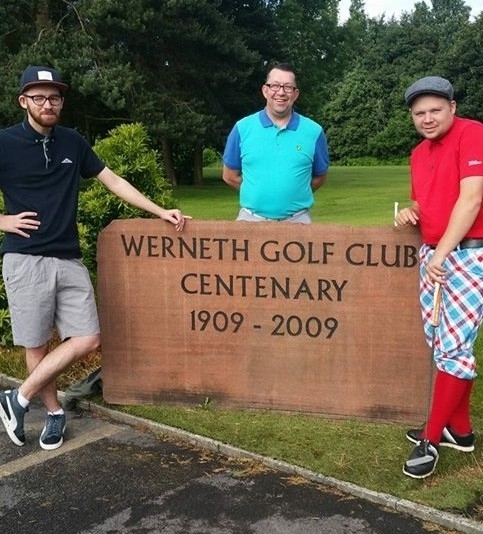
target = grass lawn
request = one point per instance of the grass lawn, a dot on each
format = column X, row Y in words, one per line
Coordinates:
column 364, row 453
column 356, row 196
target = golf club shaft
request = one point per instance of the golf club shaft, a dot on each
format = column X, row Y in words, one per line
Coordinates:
column 434, row 321
column 436, row 313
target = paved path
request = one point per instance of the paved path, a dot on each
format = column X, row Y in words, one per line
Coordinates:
column 117, row 474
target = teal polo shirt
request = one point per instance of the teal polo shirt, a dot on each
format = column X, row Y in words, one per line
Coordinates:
column 277, row 164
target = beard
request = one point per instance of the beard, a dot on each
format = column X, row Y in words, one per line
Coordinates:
column 47, row 118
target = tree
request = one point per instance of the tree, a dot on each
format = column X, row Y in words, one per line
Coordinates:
column 188, row 69
column 191, row 59
column 179, row 67
column 310, row 38
column 353, row 116
column 354, row 33
column 367, row 115
column 464, row 65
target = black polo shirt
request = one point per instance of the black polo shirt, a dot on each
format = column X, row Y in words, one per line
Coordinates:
column 42, row 174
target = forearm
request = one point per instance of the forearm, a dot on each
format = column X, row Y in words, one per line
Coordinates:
column 318, row 181
column 232, row 177
column 461, row 220
column 127, row 192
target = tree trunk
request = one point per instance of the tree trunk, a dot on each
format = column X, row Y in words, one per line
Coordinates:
column 42, row 19
column 198, row 164
column 168, row 161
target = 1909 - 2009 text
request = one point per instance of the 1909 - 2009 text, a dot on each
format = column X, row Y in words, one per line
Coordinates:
column 280, row 325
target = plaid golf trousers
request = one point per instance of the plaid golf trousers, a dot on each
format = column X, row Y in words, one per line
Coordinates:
column 461, row 310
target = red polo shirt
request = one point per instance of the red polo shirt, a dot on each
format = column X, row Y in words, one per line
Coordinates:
column 437, row 167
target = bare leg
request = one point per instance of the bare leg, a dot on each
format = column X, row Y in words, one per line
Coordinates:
column 48, row 394
column 45, row 367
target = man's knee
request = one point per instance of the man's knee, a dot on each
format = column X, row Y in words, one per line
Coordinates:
column 86, row 344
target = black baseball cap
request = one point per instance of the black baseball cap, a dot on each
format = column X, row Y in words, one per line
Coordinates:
column 429, row 85
column 35, row 75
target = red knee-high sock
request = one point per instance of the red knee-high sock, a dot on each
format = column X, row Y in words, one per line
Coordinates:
column 447, row 395
column 460, row 421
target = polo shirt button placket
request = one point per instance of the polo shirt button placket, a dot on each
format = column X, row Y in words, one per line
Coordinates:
column 45, row 142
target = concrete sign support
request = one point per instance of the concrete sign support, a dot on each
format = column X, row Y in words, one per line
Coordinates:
column 320, row 319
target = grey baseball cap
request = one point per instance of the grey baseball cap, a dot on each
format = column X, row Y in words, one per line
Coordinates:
column 35, row 75
column 429, row 85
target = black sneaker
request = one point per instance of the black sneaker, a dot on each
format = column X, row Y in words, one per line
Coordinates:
column 422, row 461
column 52, row 435
column 12, row 416
column 448, row 439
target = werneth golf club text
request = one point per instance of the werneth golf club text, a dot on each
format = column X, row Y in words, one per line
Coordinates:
column 271, row 251
column 268, row 284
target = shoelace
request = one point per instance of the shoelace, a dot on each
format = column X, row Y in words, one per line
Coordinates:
column 54, row 426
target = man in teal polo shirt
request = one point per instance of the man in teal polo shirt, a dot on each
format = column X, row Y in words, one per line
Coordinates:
column 276, row 157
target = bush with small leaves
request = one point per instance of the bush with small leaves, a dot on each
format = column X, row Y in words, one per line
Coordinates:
column 128, row 152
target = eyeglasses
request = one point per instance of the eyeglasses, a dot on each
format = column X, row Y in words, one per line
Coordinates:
column 40, row 100
column 275, row 87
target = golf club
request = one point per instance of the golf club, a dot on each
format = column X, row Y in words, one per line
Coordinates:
column 434, row 322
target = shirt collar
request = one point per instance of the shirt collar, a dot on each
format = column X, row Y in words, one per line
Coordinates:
column 33, row 133
column 267, row 121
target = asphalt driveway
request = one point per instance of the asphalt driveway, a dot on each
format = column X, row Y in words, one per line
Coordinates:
column 117, row 474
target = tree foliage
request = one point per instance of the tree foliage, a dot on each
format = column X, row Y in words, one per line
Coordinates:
column 309, row 38
column 187, row 69
column 366, row 112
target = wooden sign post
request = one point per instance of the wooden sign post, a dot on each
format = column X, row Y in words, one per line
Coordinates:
column 310, row 318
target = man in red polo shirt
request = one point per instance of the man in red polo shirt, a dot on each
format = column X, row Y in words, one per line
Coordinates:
column 447, row 192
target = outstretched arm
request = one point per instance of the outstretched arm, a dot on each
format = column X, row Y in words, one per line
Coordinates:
column 125, row 191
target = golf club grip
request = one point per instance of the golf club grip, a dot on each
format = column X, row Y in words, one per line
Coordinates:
column 438, row 293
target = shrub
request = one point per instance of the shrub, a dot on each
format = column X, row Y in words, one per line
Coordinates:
column 6, row 338
column 126, row 151
column 371, row 161
column 211, row 157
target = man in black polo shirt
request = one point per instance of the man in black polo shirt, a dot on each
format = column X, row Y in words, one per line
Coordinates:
column 41, row 164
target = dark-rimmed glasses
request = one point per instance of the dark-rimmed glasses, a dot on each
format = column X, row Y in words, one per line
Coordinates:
column 40, row 100
column 275, row 87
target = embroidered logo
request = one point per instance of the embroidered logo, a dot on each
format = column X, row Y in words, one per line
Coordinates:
column 474, row 162
column 66, row 160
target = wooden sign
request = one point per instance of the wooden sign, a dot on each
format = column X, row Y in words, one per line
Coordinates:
column 313, row 318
